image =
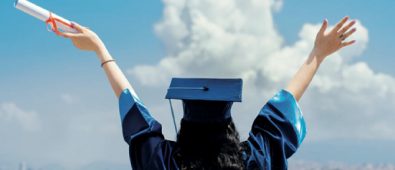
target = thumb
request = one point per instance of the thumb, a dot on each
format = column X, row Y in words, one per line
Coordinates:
column 68, row 35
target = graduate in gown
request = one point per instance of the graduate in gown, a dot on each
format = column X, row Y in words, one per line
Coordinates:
column 208, row 138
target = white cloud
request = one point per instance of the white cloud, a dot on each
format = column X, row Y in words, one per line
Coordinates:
column 277, row 5
column 11, row 114
column 237, row 38
column 67, row 98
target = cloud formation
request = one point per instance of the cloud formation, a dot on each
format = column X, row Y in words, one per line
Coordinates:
column 11, row 114
column 236, row 38
column 67, row 98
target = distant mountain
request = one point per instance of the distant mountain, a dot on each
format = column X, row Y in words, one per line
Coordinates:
column 304, row 165
column 293, row 165
column 99, row 165
column 52, row 167
column 106, row 166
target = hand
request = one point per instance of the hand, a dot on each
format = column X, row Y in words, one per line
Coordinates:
column 85, row 39
column 327, row 43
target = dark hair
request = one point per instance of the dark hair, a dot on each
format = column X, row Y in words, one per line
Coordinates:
column 209, row 146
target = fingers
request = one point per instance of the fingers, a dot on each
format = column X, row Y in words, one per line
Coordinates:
column 345, row 44
column 347, row 27
column 323, row 27
column 340, row 24
column 349, row 33
column 78, row 27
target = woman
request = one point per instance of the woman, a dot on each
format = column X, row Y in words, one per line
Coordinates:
column 276, row 133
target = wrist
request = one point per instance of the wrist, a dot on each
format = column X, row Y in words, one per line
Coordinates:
column 103, row 54
column 315, row 54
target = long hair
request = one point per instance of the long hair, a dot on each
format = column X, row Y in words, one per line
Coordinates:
column 209, row 146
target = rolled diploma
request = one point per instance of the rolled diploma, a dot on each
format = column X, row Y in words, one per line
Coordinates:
column 42, row 14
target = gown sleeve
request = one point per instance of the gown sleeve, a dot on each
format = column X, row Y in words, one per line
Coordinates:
column 277, row 132
column 140, row 130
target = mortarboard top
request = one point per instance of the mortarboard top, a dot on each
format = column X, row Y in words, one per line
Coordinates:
column 205, row 89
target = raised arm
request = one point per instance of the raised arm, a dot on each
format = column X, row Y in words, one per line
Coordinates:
column 326, row 43
column 89, row 41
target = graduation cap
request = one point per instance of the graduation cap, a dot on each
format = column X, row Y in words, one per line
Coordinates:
column 205, row 99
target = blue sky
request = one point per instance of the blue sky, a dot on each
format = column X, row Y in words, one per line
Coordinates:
column 44, row 74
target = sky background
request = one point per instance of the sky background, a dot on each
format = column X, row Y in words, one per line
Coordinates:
column 57, row 110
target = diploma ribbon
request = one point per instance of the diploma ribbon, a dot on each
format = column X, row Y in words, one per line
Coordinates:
column 52, row 22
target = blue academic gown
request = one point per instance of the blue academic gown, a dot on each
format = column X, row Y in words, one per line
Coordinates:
column 275, row 135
